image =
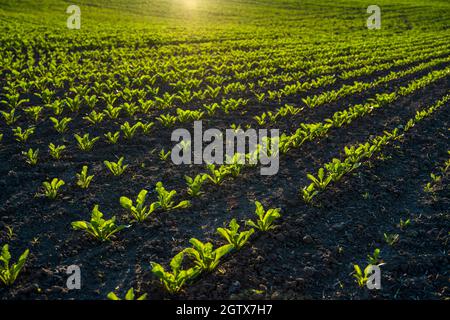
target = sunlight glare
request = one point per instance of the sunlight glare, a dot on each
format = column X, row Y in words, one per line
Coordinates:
column 189, row 4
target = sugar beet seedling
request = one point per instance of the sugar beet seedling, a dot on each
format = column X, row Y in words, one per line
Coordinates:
column 140, row 212
column 51, row 188
column 83, row 179
column 9, row 273
column 116, row 168
column 174, row 281
column 265, row 218
column 165, row 199
column 204, row 256
column 98, row 227
column 233, row 236
column 130, row 295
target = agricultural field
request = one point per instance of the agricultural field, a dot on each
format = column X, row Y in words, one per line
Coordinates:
column 94, row 201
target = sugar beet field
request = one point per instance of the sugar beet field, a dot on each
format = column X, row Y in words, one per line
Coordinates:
column 93, row 202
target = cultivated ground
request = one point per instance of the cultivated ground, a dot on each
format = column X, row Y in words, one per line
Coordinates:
column 311, row 69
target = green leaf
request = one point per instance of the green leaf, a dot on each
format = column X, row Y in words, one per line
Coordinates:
column 112, row 296
column 141, row 197
column 130, row 294
column 176, row 262
column 126, row 203
column 79, row 225
column 357, row 270
column 223, row 250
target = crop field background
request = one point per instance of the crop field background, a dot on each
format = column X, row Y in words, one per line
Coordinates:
column 364, row 149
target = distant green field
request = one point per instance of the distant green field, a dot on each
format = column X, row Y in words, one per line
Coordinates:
column 217, row 16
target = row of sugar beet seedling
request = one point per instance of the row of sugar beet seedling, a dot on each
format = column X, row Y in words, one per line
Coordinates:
column 357, row 87
column 174, row 280
column 206, row 258
column 341, row 118
column 333, row 171
column 339, row 168
column 307, row 132
column 82, row 91
column 85, row 143
column 203, row 254
column 311, row 131
column 217, row 175
column 112, row 112
column 417, row 55
column 287, row 90
column 106, row 91
column 98, row 227
column 335, row 67
column 295, row 88
column 132, row 74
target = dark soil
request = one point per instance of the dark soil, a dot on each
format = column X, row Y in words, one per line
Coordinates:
column 301, row 259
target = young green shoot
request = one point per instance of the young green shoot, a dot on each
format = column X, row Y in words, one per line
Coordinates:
column 31, row 156
column 128, row 296
column 55, row 151
column 165, row 199
column 204, row 256
column 374, row 259
column 322, row 181
column 130, row 131
column 83, row 179
column 139, row 211
column 308, row 193
column 98, row 227
column 164, row 155
column 391, row 239
column 265, row 218
column 233, row 236
column 85, row 143
column 60, row 125
column 404, row 223
column 116, row 168
column 10, row 117
column 9, row 232
column 23, row 135
column 361, row 277
column 9, row 272
column 174, row 281
column 195, row 184
column 217, row 176
column 112, row 138
column 51, row 188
